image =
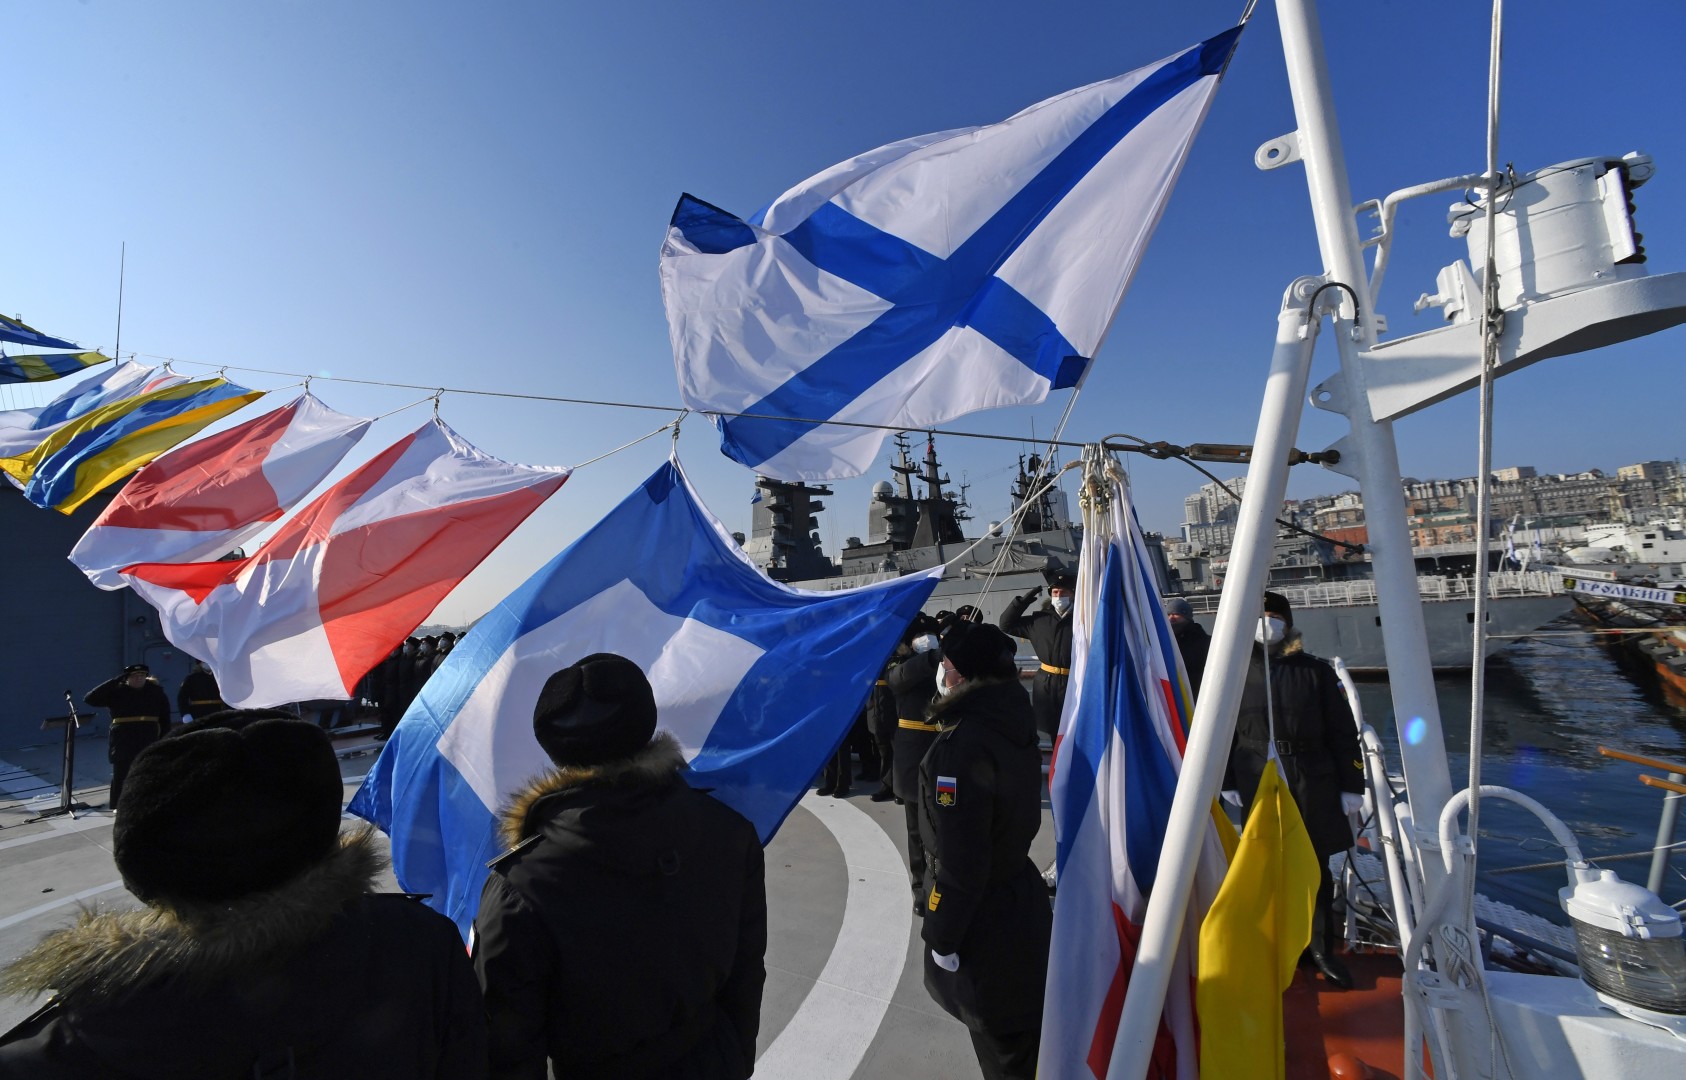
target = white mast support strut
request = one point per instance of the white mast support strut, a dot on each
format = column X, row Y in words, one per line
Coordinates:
column 1213, row 725
column 1370, row 452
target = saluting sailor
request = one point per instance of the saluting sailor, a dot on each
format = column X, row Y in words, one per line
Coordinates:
column 1048, row 629
column 140, row 713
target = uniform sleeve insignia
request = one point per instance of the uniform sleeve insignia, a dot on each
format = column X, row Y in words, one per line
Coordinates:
column 948, row 792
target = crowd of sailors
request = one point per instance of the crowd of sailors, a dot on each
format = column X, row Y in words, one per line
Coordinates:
column 621, row 932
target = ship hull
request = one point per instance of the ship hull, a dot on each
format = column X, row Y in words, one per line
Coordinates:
column 1350, row 630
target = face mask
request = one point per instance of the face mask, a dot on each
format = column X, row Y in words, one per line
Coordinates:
column 924, row 643
column 1061, row 605
column 943, row 689
column 1270, row 631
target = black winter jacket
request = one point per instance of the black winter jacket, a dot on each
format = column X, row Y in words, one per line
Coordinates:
column 913, row 682
column 147, row 699
column 1050, row 635
column 317, row 978
column 1193, row 642
column 980, row 806
column 1317, row 740
column 623, row 934
column 199, row 695
column 881, row 707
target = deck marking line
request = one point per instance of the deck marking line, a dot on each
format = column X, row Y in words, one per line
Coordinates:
column 829, row 1035
column 58, row 827
column 25, row 916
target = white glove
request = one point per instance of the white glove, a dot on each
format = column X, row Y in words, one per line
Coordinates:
column 1351, row 804
column 1233, row 798
column 946, row 961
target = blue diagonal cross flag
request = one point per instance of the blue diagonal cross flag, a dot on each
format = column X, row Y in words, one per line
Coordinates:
column 926, row 279
column 759, row 682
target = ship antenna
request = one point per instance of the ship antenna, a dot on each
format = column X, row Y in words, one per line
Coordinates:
column 122, row 264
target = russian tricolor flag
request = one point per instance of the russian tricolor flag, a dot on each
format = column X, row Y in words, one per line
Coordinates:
column 1116, row 761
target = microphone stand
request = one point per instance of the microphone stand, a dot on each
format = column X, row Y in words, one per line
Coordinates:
column 70, row 724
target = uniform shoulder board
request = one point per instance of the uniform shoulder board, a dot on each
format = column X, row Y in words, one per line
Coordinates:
column 492, row 864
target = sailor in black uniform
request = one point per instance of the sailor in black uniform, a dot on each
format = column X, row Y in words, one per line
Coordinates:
column 987, row 919
column 1048, row 630
column 913, row 682
column 140, row 714
column 199, row 695
column 1317, row 744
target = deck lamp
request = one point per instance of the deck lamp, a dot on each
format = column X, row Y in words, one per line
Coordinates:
column 1630, row 947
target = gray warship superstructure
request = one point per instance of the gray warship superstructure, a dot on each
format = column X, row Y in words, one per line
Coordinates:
column 914, row 523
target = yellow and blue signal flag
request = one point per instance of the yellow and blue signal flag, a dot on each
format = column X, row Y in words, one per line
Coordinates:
column 108, row 443
column 45, row 367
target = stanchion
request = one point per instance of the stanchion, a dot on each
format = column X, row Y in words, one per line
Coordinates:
column 69, row 725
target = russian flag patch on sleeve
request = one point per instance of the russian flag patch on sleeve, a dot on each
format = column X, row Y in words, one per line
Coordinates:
column 948, row 793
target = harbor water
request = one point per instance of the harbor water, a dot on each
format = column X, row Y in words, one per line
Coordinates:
column 1551, row 701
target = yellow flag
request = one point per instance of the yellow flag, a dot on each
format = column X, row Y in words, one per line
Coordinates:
column 1252, row 939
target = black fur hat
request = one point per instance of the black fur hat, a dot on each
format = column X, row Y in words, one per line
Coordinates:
column 235, row 804
column 598, row 710
column 921, row 624
column 979, row 650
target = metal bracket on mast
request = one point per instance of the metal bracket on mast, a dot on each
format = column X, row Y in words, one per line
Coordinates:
column 1280, row 151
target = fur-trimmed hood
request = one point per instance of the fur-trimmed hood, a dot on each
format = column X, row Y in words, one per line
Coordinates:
column 1292, row 644
column 108, row 956
column 653, row 767
column 1001, row 704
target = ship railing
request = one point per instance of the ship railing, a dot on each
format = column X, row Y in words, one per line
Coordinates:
column 1432, row 587
column 1674, row 789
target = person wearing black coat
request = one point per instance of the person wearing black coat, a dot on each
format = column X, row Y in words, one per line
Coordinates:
column 913, row 683
column 622, row 934
column 987, row 920
column 1317, row 743
column 140, row 714
column 199, row 695
column 1192, row 641
column 881, row 725
column 262, row 949
column 1048, row 629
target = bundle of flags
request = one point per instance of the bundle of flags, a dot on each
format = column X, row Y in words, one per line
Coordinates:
column 757, row 681
column 333, row 591
column 1116, row 761
column 22, row 430
column 932, row 277
column 212, row 496
column 104, row 428
column 105, row 444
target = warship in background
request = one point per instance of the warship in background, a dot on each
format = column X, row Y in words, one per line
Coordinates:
column 914, row 523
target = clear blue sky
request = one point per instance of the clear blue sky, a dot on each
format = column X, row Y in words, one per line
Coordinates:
column 473, row 195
